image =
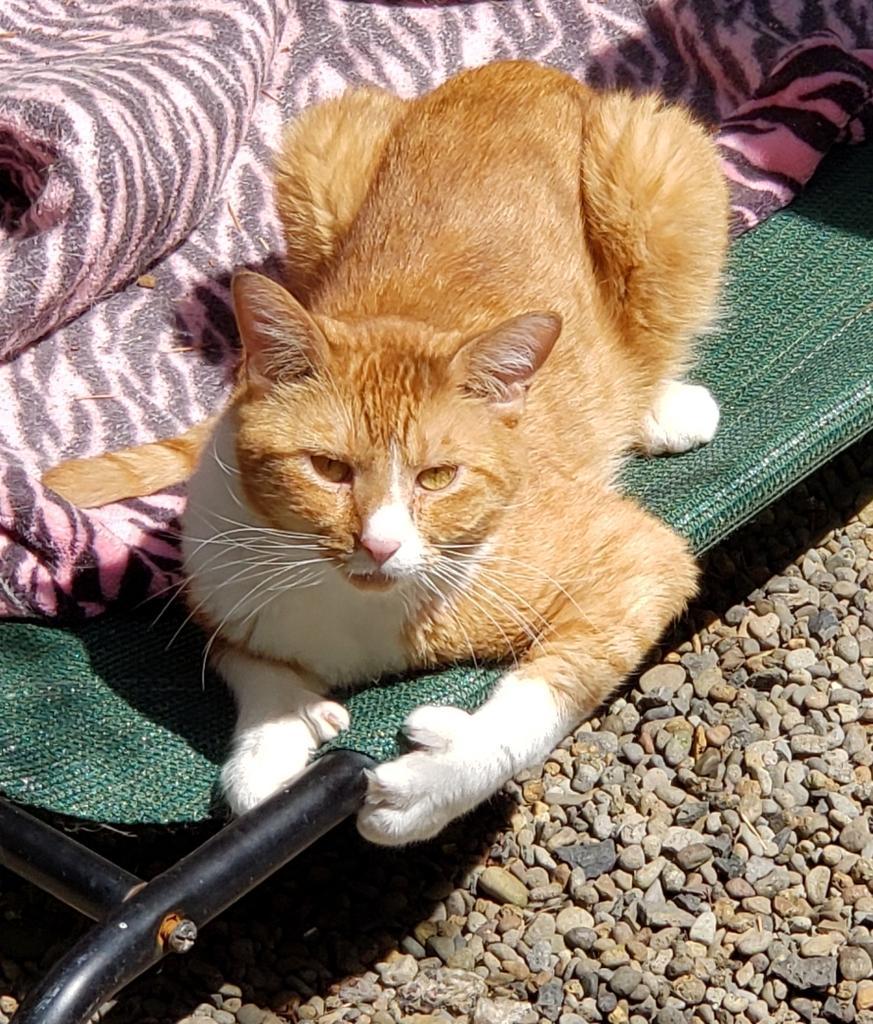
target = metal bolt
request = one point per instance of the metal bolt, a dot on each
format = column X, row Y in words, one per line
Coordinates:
column 183, row 936
column 178, row 933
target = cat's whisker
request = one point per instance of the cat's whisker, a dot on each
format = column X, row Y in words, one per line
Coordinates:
column 438, row 571
column 431, row 585
column 225, row 544
column 301, row 584
column 228, row 471
column 220, row 627
column 175, row 585
column 494, row 578
column 275, row 550
column 501, row 605
column 310, row 579
column 249, row 595
column 260, row 529
column 538, row 574
column 258, row 547
column 193, row 611
column 180, row 534
column 517, row 620
column 558, row 587
column 259, row 570
column 290, row 563
column 544, row 624
column 553, row 582
column 477, row 604
column 224, row 540
column 166, row 606
column 178, row 587
column 254, row 534
column 219, row 461
column 513, row 613
column 239, row 531
column 233, row 495
column 252, row 592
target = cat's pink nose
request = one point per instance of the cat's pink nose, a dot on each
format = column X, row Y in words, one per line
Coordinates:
column 379, row 549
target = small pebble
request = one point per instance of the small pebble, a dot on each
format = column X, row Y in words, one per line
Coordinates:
column 753, row 942
column 497, row 883
column 855, row 964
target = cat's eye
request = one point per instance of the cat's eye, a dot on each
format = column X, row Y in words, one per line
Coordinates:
column 436, row 478
column 331, row 469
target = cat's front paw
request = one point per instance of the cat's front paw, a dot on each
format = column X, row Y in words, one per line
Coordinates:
column 414, row 797
column 269, row 756
column 326, row 719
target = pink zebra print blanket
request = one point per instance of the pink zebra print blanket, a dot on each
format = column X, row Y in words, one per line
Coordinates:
column 137, row 137
column 117, row 128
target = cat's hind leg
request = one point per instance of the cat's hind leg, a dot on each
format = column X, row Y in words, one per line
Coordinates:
column 323, row 169
column 279, row 726
column 683, row 416
column 655, row 215
column 635, row 576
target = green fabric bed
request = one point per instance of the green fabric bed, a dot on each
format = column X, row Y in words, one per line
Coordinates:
column 103, row 723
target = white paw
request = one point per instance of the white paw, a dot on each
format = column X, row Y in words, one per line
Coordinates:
column 416, row 796
column 269, row 756
column 437, row 728
column 683, row 417
column 327, row 719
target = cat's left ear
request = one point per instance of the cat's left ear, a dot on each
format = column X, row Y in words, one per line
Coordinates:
column 282, row 342
column 499, row 365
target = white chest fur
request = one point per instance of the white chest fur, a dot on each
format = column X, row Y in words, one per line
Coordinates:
column 239, row 580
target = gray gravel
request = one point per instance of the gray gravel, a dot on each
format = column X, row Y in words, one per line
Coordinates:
column 702, row 852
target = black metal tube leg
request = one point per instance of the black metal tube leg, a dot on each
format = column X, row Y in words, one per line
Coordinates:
column 58, row 864
column 196, row 889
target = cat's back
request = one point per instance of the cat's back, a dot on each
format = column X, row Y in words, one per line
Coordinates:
column 477, row 192
column 493, row 146
column 501, row 96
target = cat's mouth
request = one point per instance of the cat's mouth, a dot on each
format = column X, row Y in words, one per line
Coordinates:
column 374, row 580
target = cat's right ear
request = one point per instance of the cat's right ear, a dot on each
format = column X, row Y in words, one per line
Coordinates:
column 281, row 341
column 500, row 364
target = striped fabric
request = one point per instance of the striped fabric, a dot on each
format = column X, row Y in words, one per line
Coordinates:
column 118, row 124
column 137, row 136
column 816, row 96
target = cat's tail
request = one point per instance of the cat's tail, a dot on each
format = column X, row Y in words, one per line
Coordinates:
column 130, row 472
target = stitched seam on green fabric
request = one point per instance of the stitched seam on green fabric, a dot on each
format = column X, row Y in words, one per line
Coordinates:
column 751, row 478
column 796, row 342
column 767, row 500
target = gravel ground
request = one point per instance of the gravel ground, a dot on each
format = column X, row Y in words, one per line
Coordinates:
column 702, row 852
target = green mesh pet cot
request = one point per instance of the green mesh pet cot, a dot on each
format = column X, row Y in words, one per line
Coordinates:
column 102, row 722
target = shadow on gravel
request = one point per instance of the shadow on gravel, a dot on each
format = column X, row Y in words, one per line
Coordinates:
column 336, row 910
column 784, row 532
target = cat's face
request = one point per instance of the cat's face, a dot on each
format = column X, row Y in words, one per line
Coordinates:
column 395, row 447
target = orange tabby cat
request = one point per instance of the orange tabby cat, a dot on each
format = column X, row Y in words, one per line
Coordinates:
column 495, row 290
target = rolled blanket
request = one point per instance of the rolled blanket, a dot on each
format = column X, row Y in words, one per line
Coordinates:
column 118, row 123
column 783, row 82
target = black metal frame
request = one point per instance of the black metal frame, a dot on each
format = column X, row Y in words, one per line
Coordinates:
column 140, row 922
